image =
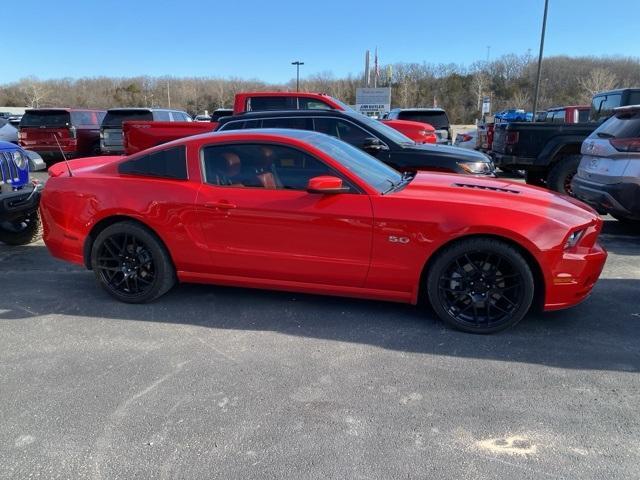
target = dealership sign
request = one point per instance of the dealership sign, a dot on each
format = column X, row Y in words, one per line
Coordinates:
column 373, row 101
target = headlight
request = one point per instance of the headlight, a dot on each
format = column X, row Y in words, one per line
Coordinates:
column 20, row 160
column 573, row 239
column 477, row 168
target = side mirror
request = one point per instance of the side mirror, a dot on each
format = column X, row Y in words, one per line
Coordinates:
column 326, row 184
column 373, row 144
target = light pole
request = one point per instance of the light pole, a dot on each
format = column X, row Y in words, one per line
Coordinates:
column 297, row 63
column 544, row 27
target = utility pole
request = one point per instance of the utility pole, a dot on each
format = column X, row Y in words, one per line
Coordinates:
column 537, row 91
column 297, row 63
column 168, row 95
column 488, row 52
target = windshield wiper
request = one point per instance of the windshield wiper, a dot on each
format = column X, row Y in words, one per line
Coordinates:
column 391, row 188
column 406, row 178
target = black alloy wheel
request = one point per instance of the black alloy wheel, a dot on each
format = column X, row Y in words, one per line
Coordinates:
column 131, row 263
column 481, row 285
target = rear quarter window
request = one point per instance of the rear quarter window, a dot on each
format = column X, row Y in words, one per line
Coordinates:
column 170, row 163
column 621, row 126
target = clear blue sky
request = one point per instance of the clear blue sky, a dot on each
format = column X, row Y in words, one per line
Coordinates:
column 259, row 39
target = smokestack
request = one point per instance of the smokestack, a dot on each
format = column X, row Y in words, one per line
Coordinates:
column 367, row 76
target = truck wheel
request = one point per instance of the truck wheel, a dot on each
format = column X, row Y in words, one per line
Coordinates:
column 562, row 173
column 535, row 178
column 21, row 232
column 480, row 285
column 131, row 263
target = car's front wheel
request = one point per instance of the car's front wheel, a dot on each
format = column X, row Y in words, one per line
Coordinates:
column 480, row 285
column 131, row 263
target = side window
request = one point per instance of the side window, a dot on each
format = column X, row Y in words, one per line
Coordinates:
column 311, row 104
column 177, row 116
column 297, row 123
column 161, row 116
column 583, row 116
column 82, row 118
column 240, row 124
column 345, row 131
column 271, row 103
column 169, row 163
column 261, row 166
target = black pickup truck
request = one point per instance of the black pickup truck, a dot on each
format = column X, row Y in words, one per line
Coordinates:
column 550, row 152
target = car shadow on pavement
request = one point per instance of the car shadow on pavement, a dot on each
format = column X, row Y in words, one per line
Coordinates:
column 603, row 333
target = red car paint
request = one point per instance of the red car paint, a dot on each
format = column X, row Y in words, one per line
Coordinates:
column 336, row 244
column 75, row 131
column 140, row 135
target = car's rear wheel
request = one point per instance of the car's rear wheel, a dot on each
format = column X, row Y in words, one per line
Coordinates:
column 131, row 263
column 22, row 231
column 562, row 173
column 480, row 285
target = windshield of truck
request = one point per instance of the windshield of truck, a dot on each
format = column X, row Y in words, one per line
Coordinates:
column 46, row 118
column 114, row 118
column 602, row 106
column 437, row 119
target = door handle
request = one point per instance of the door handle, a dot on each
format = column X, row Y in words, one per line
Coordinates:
column 221, row 205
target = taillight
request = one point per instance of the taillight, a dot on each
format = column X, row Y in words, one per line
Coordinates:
column 511, row 138
column 72, row 132
column 626, row 144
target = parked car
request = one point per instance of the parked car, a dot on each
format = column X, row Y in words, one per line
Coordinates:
column 419, row 132
column 111, row 129
column 51, row 131
column 303, row 211
column 218, row 113
column 568, row 114
column 467, row 139
column 202, row 118
column 513, row 115
column 8, row 133
column 436, row 117
column 550, row 152
column 19, row 197
column 372, row 136
column 608, row 177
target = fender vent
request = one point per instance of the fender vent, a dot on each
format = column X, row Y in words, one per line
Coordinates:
column 485, row 187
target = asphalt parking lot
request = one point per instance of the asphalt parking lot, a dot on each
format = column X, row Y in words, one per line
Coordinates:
column 212, row 382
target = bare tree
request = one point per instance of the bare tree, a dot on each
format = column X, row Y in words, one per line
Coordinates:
column 33, row 91
column 599, row 79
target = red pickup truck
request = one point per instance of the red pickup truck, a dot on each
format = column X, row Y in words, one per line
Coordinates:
column 140, row 135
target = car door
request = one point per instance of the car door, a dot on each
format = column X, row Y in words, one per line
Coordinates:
column 260, row 222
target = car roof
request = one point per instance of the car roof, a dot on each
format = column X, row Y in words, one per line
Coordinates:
column 143, row 109
column 63, row 109
column 618, row 90
column 291, row 113
column 554, row 109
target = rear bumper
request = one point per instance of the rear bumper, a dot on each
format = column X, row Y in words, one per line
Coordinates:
column 501, row 159
column 18, row 204
column 617, row 198
column 573, row 276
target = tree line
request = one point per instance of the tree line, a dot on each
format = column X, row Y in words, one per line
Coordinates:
column 508, row 80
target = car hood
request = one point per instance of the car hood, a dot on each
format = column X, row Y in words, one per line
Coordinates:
column 496, row 195
column 461, row 154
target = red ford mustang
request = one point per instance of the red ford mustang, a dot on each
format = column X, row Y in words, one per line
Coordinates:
column 299, row 210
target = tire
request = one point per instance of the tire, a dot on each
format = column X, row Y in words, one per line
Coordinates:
column 131, row 263
column 480, row 285
column 21, row 232
column 535, row 178
column 561, row 174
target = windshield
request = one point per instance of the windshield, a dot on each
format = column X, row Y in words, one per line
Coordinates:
column 375, row 173
column 437, row 119
column 114, row 118
column 391, row 133
column 46, row 118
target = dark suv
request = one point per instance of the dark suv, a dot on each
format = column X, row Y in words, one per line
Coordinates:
column 74, row 131
column 111, row 128
column 436, row 117
column 374, row 137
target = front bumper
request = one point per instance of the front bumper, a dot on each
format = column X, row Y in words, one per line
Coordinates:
column 15, row 205
column 573, row 276
column 617, row 198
